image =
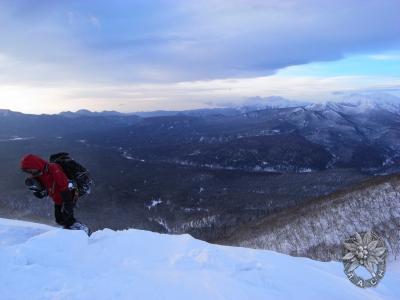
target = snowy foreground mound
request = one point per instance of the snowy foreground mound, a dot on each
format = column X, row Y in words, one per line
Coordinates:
column 42, row 262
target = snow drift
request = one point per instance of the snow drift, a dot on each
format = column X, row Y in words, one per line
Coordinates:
column 42, row 262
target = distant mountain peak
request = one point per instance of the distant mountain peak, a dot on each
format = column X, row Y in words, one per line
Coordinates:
column 88, row 113
column 365, row 102
column 359, row 103
column 272, row 102
column 8, row 112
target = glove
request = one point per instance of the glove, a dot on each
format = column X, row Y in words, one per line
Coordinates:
column 40, row 195
column 34, row 185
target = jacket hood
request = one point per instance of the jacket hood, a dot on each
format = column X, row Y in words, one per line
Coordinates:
column 31, row 161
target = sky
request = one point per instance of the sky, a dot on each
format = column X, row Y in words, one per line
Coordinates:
column 181, row 54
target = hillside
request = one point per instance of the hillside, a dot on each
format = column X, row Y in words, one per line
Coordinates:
column 40, row 262
column 207, row 172
column 318, row 228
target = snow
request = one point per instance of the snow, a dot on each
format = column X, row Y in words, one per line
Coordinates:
column 154, row 203
column 359, row 103
column 127, row 155
column 17, row 138
column 270, row 102
column 42, row 262
column 365, row 102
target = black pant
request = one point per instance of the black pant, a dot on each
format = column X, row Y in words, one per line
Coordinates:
column 64, row 213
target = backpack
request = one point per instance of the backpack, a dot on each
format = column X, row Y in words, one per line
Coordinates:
column 74, row 171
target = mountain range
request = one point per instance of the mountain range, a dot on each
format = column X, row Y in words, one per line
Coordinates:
column 211, row 172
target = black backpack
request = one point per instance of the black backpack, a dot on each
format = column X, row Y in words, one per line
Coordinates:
column 74, row 171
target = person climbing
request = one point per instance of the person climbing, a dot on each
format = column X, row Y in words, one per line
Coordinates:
column 49, row 179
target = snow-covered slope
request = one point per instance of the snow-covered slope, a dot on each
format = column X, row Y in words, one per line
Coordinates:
column 41, row 262
column 364, row 102
column 317, row 228
column 359, row 103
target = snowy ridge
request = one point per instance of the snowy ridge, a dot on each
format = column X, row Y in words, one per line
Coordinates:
column 318, row 228
column 270, row 102
column 41, row 262
column 360, row 103
column 374, row 101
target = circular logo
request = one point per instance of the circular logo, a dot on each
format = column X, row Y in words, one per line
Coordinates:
column 366, row 250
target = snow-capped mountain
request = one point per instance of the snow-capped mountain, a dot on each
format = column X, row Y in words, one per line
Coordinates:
column 257, row 103
column 359, row 103
column 348, row 103
column 364, row 102
column 214, row 171
column 39, row 262
column 88, row 113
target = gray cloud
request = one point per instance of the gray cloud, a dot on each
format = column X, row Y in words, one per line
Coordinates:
column 161, row 41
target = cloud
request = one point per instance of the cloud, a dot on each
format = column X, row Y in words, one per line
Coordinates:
column 146, row 55
column 385, row 56
column 164, row 41
column 53, row 98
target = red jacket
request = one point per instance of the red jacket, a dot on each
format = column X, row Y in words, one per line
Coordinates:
column 52, row 178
